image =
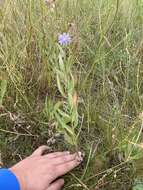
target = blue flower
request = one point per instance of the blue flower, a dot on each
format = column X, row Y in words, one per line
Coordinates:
column 64, row 39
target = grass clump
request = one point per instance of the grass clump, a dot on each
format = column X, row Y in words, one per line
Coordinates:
column 89, row 90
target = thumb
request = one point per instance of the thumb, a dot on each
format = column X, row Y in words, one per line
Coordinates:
column 57, row 185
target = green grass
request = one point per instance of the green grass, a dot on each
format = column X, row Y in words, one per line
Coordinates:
column 105, row 60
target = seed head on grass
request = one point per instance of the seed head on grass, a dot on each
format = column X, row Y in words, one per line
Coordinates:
column 64, row 39
column 51, row 4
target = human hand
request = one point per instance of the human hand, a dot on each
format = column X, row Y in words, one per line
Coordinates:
column 39, row 172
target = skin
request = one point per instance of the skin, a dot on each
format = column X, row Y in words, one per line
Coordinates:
column 42, row 172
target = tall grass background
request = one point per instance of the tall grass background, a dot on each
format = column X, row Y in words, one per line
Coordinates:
column 106, row 62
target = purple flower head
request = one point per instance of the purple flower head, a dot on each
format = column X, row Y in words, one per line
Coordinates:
column 64, row 39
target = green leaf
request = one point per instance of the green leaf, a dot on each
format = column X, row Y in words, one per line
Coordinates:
column 48, row 110
column 3, row 88
column 61, row 50
column 60, row 87
column 70, row 93
column 70, row 100
column 75, row 118
column 65, row 116
column 69, row 139
column 57, row 106
column 138, row 185
column 61, row 63
column 70, row 86
column 63, row 125
column 60, row 73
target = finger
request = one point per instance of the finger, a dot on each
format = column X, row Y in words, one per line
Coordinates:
column 56, row 154
column 39, row 151
column 62, row 159
column 62, row 169
column 57, row 185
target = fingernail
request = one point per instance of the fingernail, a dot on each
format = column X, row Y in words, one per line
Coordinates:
column 67, row 152
column 79, row 157
column 80, row 154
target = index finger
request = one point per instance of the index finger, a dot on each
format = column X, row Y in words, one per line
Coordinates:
column 62, row 169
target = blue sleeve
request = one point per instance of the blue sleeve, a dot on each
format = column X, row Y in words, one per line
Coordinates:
column 8, row 180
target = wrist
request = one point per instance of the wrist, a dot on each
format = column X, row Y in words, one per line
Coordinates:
column 19, row 177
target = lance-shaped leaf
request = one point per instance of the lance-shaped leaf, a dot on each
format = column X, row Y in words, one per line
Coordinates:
column 61, row 63
column 60, row 87
column 65, row 116
column 63, row 125
column 3, row 88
